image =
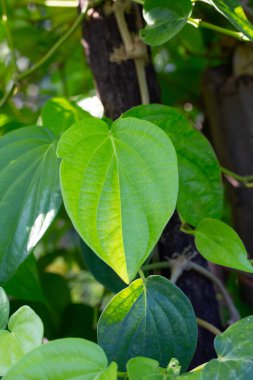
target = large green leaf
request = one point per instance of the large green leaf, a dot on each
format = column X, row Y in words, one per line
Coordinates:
column 220, row 244
column 119, row 188
column 234, row 348
column 200, row 186
column 26, row 333
column 29, row 193
column 234, row 12
column 58, row 114
column 4, row 309
column 164, row 18
column 152, row 319
column 70, row 359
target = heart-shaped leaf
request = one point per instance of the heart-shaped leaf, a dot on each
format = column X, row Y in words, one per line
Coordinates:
column 220, row 244
column 29, row 193
column 4, row 309
column 152, row 319
column 234, row 12
column 70, row 358
column 58, row 114
column 119, row 188
column 200, row 187
column 234, row 348
column 164, row 18
column 25, row 333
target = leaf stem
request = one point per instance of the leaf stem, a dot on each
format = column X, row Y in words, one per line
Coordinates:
column 208, row 326
column 247, row 181
column 198, row 23
column 47, row 56
column 8, row 32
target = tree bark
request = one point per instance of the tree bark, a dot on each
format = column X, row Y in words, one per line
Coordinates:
column 117, row 87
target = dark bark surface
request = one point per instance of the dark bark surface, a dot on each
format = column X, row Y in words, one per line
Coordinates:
column 118, row 89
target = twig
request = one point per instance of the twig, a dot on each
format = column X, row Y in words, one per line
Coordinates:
column 208, row 326
column 8, row 32
column 247, row 181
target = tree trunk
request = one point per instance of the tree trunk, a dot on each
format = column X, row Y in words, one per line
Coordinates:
column 118, row 89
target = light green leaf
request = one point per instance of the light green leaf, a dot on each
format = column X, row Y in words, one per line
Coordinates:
column 154, row 319
column 119, row 188
column 234, row 12
column 70, row 359
column 164, row 18
column 4, row 309
column 58, row 114
column 29, row 193
column 220, row 244
column 200, row 186
column 139, row 366
column 25, row 333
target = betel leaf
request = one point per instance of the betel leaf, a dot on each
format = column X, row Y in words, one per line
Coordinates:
column 58, row 114
column 4, row 309
column 139, row 367
column 200, row 186
column 164, row 18
column 100, row 270
column 152, row 319
column 70, row 358
column 29, row 193
column 119, row 188
column 25, row 333
column 234, row 348
column 234, row 12
column 220, row 244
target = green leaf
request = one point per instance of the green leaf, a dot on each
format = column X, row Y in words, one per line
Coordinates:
column 29, row 193
column 164, row 18
column 234, row 12
column 4, row 309
column 220, row 244
column 119, row 188
column 234, row 348
column 26, row 333
column 200, row 187
column 100, row 270
column 25, row 283
column 58, row 114
column 69, row 358
column 152, row 319
column 139, row 367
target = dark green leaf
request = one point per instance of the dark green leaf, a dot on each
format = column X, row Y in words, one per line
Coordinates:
column 29, row 194
column 100, row 270
column 4, row 309
column 220, row 244
column 200, row 186
column 119, row 188
column 68, row 358
column 164, row 18
column 154, row 319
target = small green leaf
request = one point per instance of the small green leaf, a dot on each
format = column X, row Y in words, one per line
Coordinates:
column 234, row 12
column 29, row 193
column 4, row 309
column 220, row 244
column 154, row 319
column 138, row 367
column 119, row 188
column 58, row 114
column 164, row 18
column 69, row 359
column 200, row 187
column 26, row 333
column 100, row 270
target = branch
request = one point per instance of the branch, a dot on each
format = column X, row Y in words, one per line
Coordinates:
column 208, row 326
column 247, row 181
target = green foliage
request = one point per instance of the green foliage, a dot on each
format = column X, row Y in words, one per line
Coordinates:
column 69, row 358
column 220, row 244
column 120, row 216
column 150, row 318
column 4, row 309
column 25, row 333
column 200, row 189
column 29, row 194
column 164, row 18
